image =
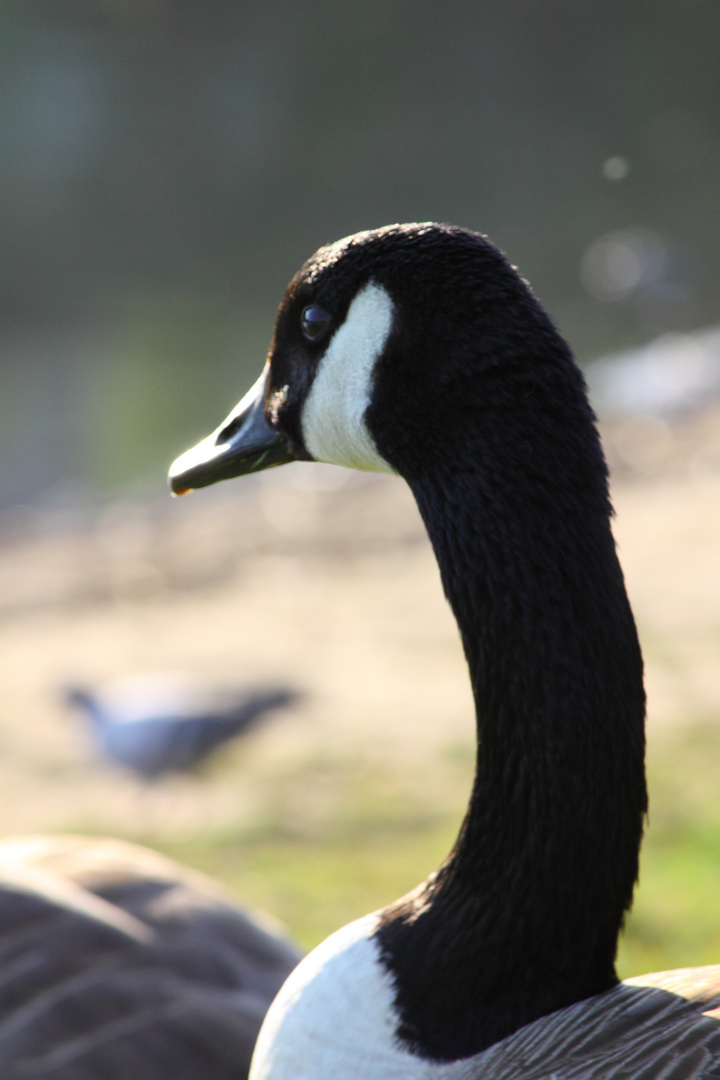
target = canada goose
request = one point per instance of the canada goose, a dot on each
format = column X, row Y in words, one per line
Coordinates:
column 418, row 350
column 164, row 722
column 117, row 963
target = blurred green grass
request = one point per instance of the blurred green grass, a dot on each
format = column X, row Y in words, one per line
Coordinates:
column 340, row 837
column 336, row 838
column 675, row 921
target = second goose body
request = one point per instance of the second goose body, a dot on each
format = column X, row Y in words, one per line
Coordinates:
column 418, row 350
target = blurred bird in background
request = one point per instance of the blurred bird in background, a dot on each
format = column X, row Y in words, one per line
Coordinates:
column 170, row 722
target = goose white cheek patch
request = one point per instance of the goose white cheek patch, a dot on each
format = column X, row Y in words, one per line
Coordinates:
column 333, row 419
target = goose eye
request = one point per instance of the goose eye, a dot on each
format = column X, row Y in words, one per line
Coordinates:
column 314, row 322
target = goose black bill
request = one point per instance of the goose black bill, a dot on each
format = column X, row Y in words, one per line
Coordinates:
column 243, row 443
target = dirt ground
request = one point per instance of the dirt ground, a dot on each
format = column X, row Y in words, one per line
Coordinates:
column 318, row 579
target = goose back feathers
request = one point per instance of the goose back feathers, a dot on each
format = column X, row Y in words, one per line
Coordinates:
column 118, row 963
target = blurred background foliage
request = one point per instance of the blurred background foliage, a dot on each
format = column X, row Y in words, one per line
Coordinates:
column 166, row 166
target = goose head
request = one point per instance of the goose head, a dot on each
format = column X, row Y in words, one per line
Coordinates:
column 418, row 350
column 410, row 349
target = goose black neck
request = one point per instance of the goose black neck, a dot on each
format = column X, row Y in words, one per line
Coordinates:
column 524, row 916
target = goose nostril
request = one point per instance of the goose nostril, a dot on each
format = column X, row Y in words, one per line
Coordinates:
column 230, row 429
